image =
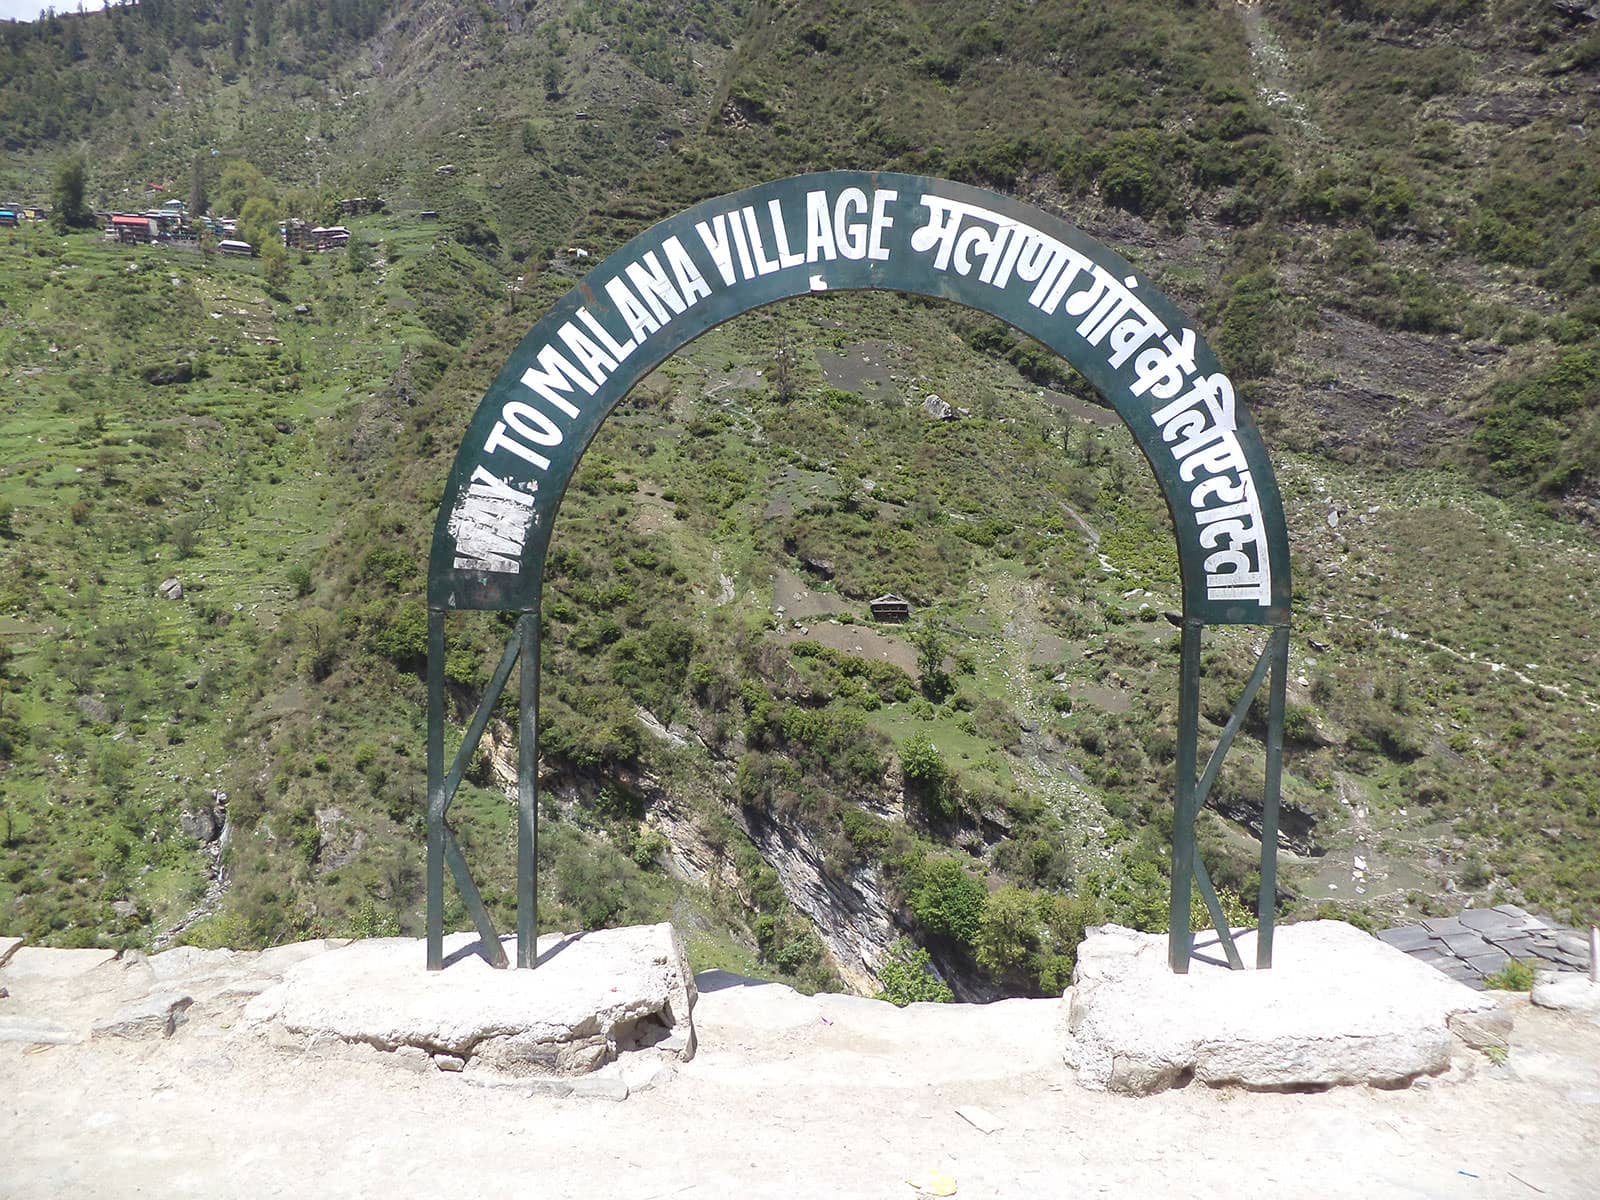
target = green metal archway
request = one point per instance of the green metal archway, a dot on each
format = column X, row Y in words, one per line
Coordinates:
column 850, row 230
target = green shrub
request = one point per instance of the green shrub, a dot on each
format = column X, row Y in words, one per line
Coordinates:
column 928, row 781
column 1032, row 938
column 1515, row 976
column 907, row 977
column 403, row 637
column 948, row 900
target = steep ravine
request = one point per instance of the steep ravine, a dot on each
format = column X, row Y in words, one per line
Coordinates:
column 850, row 909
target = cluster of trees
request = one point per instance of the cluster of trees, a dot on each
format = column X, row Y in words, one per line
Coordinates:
column 239, row 22
column 60, row 75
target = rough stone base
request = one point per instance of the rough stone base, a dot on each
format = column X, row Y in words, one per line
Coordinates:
column 592, row 997
column 1337, row 1007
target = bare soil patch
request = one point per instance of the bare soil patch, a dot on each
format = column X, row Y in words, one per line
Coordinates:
column 857, row 640
column 865, row 368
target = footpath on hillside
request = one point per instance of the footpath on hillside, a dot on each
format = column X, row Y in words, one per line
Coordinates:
column 786, row 1095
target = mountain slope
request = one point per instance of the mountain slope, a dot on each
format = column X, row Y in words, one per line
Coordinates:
column 1376, row 211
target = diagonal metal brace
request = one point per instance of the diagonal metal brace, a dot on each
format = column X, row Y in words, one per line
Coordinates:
column 1240, row 711
column 480, row 719
column 1219, row 920
column 487, row 934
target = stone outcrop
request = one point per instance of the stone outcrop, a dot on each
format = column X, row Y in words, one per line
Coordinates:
column 1337, row 1007
column 849, row 909
column 154, row 1016
column 33, row 1031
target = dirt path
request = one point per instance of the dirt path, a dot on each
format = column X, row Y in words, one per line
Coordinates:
column 1401, row 635
column 1269, row 63
column 789, row 1097
column 1082, row 811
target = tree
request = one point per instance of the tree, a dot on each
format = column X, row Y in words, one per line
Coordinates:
column 274, row 267
column 258, row 223
column 1032, row 938
column 67, row 207
column 949, row 901
column 358, row 254
column 930, row 662
column 236, row 30
column 318, row 636
column 922, row 767
column 908, row 977
column 781, row 364
column 197, row 189
column 1010, row 931
column 240, row 181
column 928, row 781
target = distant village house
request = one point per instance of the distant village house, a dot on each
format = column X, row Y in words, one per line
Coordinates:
column 132, row 228
column 890, row 608
column 297, row 235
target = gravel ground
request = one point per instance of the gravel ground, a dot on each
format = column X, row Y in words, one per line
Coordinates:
column 788, row 1096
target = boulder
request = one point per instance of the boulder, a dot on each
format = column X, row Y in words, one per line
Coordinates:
column 1567, row 992
column 188, row 961
column 277, row 960
column 47, row 966
column 169, row 373
column 1483, row 1030
column 154, row 1016
column 1337, row 1007
column 94, row 708
column 938, row 409
column 203, row 824
column 170, row 589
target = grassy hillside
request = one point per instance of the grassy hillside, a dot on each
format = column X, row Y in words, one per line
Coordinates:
column 1380, row 213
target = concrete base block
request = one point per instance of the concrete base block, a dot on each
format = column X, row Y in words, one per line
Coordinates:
column 592, row 997
column 1337, row 1007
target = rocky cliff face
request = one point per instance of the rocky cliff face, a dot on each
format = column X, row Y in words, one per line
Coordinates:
column 849, row 907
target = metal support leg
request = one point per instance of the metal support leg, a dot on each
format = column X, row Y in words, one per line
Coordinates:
column 443, row 849
column 1179, row 940
column 1267, row 897
column 528, row 796
column 435, row 870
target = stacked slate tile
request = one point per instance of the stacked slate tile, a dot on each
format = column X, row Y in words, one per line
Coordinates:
column 1478, row 942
